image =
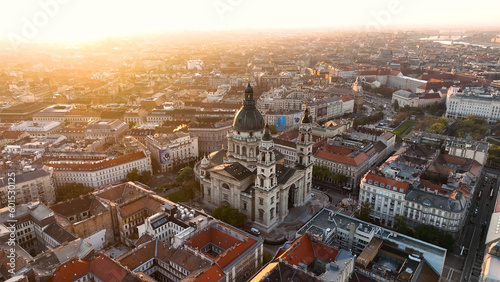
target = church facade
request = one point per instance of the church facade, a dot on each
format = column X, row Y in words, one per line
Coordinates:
column 249, row 176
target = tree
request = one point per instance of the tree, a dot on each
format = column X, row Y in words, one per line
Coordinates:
column 364, row 212
column 230, row 216
column 431, row 234
column 190, row 188
column 400, row 225
column 473, row 126
column 321, row 172
column 142, row 177
column 437, row 128
column 340, row 178
column 133, row 175
column 185, row 175
column 145, row 176
column 167, row 186
column 272, row 129
column 71, row 190
column 266, row 257
column 395, row 105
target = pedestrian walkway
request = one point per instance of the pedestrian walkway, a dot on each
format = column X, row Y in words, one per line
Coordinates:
column 296, row 217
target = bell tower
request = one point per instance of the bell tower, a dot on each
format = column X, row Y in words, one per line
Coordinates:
column 305, row 142
column 266, row 164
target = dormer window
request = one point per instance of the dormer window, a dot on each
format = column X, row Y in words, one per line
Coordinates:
column 388, row 186
column 370, row 181
column 382, row 185
column 376, row 183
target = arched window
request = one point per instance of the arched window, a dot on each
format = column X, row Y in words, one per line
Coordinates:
column 238, row 149
column 244, row 151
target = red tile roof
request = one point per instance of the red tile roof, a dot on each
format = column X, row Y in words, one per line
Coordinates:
column 300, row 251
column 430, row 96
column 107, row 269
column 138, row 256
column 346, row 97
column 432, row 186
column 380, row 179
column 338, row 150
column 71, row 270
column 13, row 134
column 325, row 253
column 374, row 72
column 356, row 161
column 214, row 273
column 233, row 247
column 148, row 202
column 214, row 236
column 303, row 250
column 97, row 165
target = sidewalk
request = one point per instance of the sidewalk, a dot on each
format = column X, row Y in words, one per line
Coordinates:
column 296, row 217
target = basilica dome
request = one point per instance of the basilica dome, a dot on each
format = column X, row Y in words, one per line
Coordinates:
column 248, row 118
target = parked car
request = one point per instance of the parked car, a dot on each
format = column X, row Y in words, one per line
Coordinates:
column 255, row 231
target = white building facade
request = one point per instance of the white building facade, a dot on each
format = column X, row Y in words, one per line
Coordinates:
column 98, row 174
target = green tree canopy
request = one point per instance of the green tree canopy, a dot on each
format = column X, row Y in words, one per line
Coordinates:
column 369, row 119
column 142, row 177
column 395, row 105
column 400, row 225
column 190, row 188
column 364, row 212
column 321, row 171
column 340, row 178
column 437, row 128
column 433, row 235
column 186, row 174
column 71, row 190
column 473, row 126
column 230, row 216
column 272, row 129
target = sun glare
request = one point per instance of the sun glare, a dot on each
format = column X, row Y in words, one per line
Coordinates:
column 74, row 20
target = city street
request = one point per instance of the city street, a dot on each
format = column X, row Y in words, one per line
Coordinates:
column 474, row 233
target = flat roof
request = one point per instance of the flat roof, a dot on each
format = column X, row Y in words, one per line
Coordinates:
column 326, row 218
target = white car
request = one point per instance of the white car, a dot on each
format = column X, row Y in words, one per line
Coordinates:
column 255, row 231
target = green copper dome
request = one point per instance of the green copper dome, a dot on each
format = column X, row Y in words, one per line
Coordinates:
column 248, row 118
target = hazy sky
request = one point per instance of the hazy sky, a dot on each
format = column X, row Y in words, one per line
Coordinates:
column 34, row 20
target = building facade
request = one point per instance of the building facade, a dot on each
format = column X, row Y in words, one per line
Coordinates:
column 37, row 128
column 246, row 177
column 211, row 137
column 110, row 130
column 36, row 185
column 477, row 101
column 96, row 174
column 172, row 149
column 386, row 197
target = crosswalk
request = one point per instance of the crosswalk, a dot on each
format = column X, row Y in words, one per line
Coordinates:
column 451, row 274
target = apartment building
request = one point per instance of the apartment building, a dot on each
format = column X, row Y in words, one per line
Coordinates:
column 31, row 185
column 172, row 149
column 96, row 174
column 386, row 196
column 473, row 100
column 211, row 136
